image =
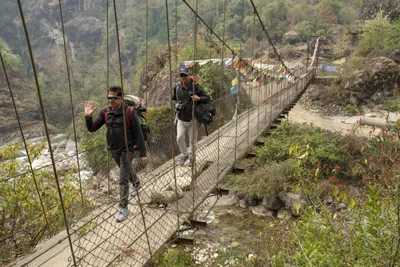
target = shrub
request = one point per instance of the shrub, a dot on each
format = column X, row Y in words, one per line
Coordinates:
column 352, row 109
column 178, row 256
column 377, row 35
column 288, row 51
column 22, row 219
column 391, row 105
column 95, row 154
column 265, row 181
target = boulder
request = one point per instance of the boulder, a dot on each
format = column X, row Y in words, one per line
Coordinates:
column 291, row 37
column 275, row 203
column 395, row 55
column 167, row 196
column 261, row 211
column 356, row 28
column 371, row 8
column 283, row 214
column 295, row 202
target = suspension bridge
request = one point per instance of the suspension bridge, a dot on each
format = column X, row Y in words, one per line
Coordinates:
column 96, row 239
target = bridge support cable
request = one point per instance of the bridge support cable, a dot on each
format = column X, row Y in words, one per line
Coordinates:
column 125, row 129
column 147, row 52
column 269, row 39
column 46, row 128
column 172, row 124
column 239, row 82
column 251, row 91
column 47, row 224
column 194, row 122
column 71, row 102
column 108, row 86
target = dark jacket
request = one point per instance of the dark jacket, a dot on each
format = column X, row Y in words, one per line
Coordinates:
column 115, row 130
column 184, row 97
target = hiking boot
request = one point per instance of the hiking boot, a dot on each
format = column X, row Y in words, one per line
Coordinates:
column 122, row 214
column 136, row 189
column 183, row 160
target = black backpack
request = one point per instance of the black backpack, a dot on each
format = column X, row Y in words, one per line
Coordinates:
column 204, row 112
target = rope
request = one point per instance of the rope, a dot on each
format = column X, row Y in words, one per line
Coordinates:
column 71, row 102
column 25, row 145
column 45, row 128
column 124, row 115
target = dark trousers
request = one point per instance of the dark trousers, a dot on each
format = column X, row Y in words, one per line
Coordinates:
column 126, row 174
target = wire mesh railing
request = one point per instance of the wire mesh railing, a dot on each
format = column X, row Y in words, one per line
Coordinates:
column 98, row 240
column 89, row 234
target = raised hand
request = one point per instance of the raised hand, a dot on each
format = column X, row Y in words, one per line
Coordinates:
column 143, row 161
column 89, row 108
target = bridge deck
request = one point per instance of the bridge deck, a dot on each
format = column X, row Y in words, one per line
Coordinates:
column 104, row 242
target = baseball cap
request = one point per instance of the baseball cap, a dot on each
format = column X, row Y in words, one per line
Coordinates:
column 184, row 71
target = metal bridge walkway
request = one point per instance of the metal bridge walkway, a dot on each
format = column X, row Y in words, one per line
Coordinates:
column 104, row 242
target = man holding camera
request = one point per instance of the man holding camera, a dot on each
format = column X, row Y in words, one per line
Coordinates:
column 186, row 94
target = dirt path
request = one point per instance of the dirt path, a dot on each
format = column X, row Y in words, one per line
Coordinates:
column 345, row 125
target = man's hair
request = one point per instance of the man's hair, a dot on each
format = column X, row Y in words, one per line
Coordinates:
column 116, row 89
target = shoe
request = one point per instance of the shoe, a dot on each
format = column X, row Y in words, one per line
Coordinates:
column 183, row 160
column 191, row 161
column 136, row 189
column 122, row 214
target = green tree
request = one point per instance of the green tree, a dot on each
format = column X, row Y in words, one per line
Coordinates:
column 375, row 36
column 393, row 39
column 214, row 80
column 10, row 60
column 275, row 17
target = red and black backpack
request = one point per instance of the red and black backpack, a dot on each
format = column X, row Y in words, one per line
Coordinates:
column 128, row 117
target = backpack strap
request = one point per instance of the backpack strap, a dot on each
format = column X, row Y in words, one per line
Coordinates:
column 129, row 116
column 106, row 115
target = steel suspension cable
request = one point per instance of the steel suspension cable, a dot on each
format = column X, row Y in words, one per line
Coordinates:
column 269, row 39
column 108, row 86
column 124, row 115
column 264, row 82
column 176, row 32
column 46, row 128
column 251, row 88
column 147, row 50
column 194, row 121
column 239, row 84
column 220, row 93
column 172, row 108
column 71, row 102
column 25, row 145
column 216, row 35
column 271, row 87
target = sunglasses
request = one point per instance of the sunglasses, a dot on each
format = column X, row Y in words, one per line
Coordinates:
column 112, row 98
column 183, row 75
